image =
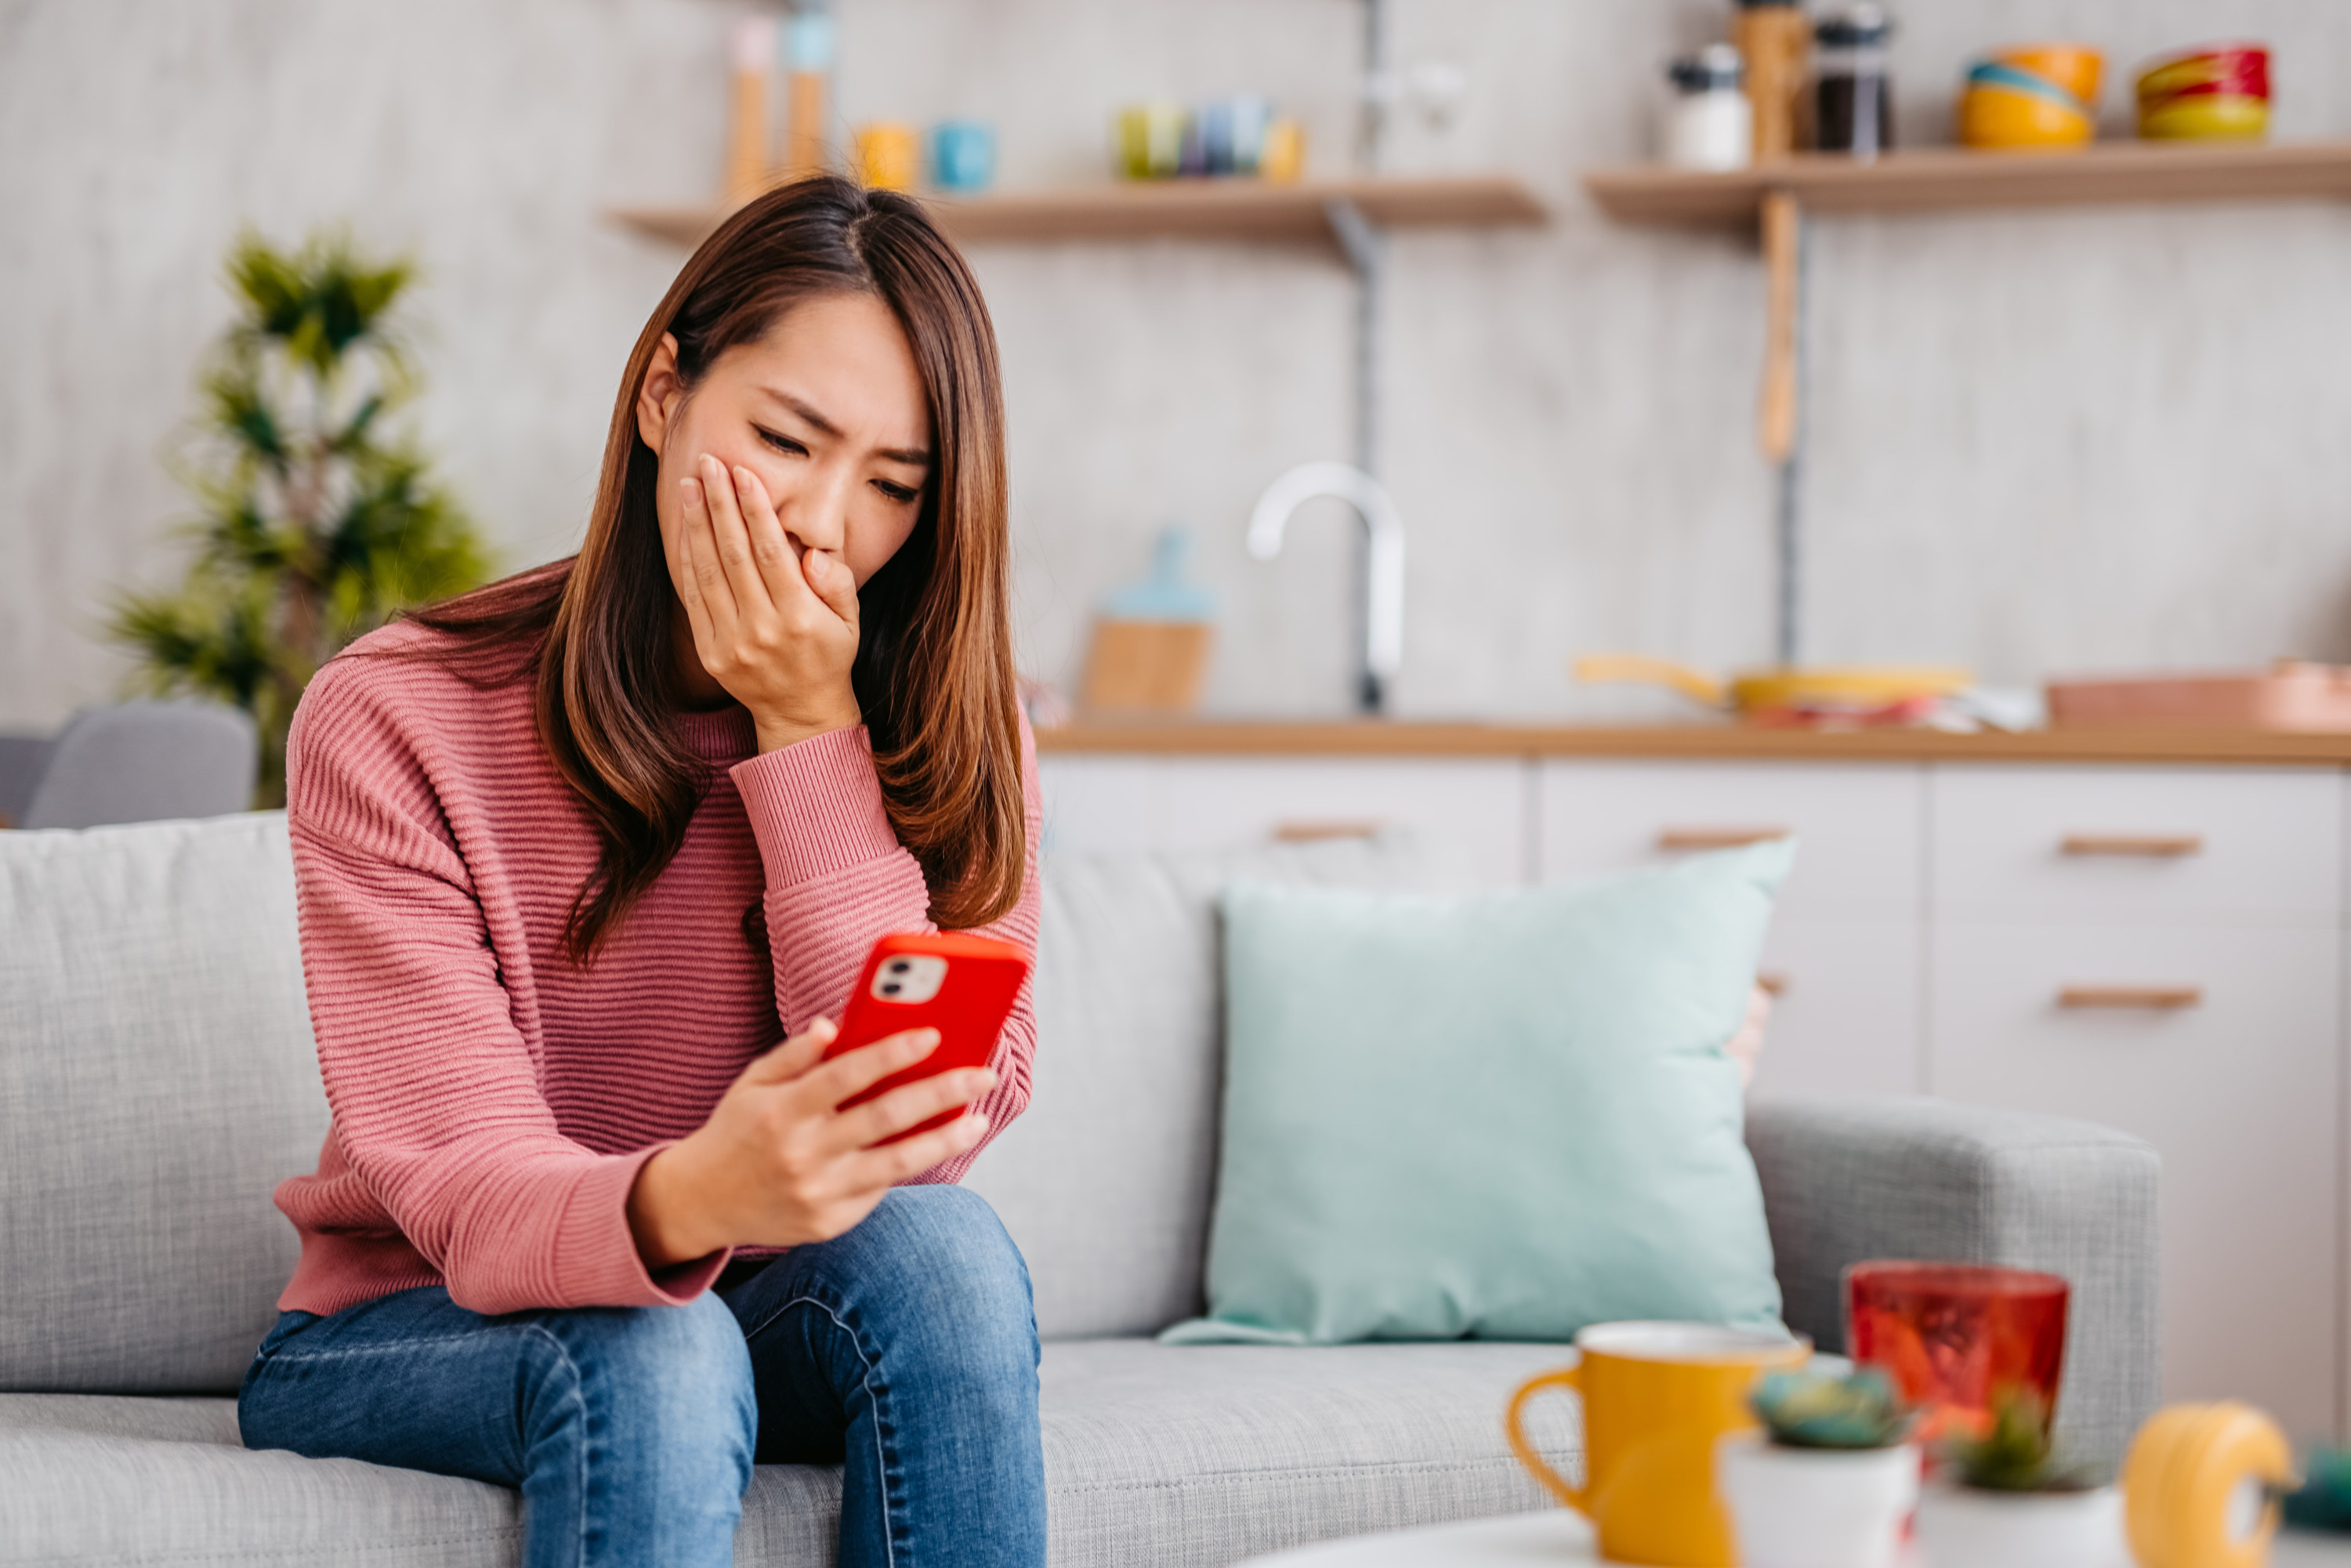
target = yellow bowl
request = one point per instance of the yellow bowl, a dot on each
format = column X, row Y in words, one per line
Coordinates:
column 2076, row 68
column 1995, row 117
column 2205, row 117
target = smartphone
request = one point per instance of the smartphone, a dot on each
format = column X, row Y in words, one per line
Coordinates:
column 964, row 986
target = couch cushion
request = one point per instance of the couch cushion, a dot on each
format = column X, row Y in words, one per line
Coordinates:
column 120, row 1482
column 1155, row 1458
column 157, row 1080
column 1190, row 1456
column 1104, row 1180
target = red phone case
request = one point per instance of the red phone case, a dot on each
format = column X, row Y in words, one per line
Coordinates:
column 969, row 1005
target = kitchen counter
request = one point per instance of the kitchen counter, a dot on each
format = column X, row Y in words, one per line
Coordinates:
column 1418, row 738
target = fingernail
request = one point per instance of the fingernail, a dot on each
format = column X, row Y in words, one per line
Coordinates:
column 978, row 1120
column 693, row 488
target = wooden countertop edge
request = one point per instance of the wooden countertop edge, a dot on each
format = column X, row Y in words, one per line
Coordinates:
column 1728, row 742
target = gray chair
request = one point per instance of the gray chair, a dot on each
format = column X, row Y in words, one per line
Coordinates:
column 23, row 759
column 143, row 762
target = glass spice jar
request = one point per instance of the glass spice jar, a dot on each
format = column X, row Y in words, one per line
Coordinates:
column 1853, row 108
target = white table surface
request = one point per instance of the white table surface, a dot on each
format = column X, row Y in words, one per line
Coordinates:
column 1531, row 1540
column 1554, row 1536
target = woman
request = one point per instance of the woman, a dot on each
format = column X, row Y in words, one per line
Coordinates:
column 574, row 853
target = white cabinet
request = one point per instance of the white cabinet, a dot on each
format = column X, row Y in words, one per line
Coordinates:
column 2160, row 949
column 1846, row 1010
column 1846, row 945
column 1468, row 817
column 2139, row 845
column 2238, row 1092
column 1858, row 826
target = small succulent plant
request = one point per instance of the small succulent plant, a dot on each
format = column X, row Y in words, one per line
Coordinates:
column 1814, row 1409
column 2015, row 1452
column 2323, row 1500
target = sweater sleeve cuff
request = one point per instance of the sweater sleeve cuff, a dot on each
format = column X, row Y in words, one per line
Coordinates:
column 601, row 1265
column 816, row 806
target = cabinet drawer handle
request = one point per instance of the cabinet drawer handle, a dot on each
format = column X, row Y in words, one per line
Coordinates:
column 2164, row 998
column 1319, row 832
column 1680, row 841
column 2153, row 846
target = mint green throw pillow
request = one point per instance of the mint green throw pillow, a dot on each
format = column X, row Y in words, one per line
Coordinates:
column 1504, row 1116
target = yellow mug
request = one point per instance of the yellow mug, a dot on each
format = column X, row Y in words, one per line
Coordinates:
column 1656, row 1397
column 889, row 156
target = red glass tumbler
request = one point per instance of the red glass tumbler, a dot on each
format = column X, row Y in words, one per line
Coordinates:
column 1958, row 1338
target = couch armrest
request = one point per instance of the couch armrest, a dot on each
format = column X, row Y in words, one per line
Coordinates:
column 1851, row 1178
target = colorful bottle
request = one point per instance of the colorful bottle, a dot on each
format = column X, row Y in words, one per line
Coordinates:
column 754, row 52
column 808, row 63
column 1775, row 40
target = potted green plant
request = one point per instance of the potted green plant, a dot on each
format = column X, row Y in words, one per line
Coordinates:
column 1830, row 1478
column 316, row 521
column 2010, row 1500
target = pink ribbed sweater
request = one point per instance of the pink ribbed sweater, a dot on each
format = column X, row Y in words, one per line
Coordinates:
column 493, row 1102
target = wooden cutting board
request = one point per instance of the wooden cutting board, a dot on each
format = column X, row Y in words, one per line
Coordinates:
column 2289, row 696
column 1145, row 667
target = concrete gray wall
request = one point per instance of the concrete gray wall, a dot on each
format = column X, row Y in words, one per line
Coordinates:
column 2041, row 441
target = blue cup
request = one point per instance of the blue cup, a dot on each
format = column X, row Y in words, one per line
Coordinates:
column 963, row 155
column 1232, row 134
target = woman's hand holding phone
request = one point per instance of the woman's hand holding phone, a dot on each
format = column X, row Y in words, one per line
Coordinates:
column 779, row 1162
column 774, row 623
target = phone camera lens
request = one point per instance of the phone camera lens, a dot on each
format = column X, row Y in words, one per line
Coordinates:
column 900, row 965
column 891, row 988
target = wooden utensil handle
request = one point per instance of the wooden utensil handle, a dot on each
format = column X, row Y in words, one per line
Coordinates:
column 2160, row 999
column 1317, row 833
column 1783, row 236
column 1681, row 841
column 2153, row 846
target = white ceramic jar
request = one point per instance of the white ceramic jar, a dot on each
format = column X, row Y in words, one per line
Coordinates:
column 1962, row 1527
column 1817, row 1507
column 1708, row 122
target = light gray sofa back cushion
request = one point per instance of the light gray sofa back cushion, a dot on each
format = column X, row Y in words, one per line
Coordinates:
column 1106, row 1181
column 157, row 1080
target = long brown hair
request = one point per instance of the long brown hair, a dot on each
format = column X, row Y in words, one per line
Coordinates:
column 934, row 668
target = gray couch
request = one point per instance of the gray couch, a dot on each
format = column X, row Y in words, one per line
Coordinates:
column 157, row 1079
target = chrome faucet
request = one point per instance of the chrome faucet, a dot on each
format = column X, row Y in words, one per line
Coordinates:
column 1383, row 576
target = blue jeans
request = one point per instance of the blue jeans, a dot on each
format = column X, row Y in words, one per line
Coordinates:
column 905, row 1351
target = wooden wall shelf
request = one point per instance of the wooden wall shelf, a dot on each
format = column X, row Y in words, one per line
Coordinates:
column 1946, row 178
column 1183, row 209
